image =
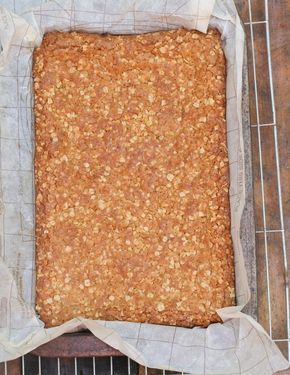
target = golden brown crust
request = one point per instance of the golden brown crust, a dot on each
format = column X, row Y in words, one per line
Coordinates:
column 132, row 210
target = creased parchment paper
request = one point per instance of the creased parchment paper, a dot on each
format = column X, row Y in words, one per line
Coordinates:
column 240, row 345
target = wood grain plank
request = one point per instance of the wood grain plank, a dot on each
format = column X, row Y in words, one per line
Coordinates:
column 252, row 101
column 286, row 372
column 262, row 72
column 76, row 345
column 256, row 181
column 242, row 8
column 270, row 178
column 280, row 46
column 103, row 366
column 85, row 366
column 277, row 286
column 13, row 367
column 263, row 313
column 134, row 368
column 31, row 365
column 120, row 366
column 48, row 366
column 258, row 10
column 67, row 366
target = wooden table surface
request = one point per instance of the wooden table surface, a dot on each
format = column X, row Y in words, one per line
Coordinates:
column 270, row 110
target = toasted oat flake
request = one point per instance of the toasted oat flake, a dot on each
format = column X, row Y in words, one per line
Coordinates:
column 170, row 177
column 160, row 307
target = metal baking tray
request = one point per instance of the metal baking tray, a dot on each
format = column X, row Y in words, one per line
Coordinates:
column 85, row 344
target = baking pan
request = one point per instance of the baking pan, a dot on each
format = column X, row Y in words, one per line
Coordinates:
column 85, row 344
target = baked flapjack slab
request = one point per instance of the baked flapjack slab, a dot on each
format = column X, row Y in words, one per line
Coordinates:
column 131, row 167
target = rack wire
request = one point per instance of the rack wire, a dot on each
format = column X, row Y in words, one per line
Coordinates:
column 265, row 230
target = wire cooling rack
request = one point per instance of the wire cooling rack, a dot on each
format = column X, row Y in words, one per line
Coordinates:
column 127, row 367
column 264, row 230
